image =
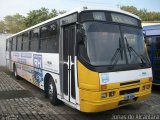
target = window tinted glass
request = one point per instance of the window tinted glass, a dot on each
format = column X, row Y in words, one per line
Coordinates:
column 25, row 41
column 19, row 43
column 102, row 42
column 10, row 44
column 49, row 38
column 48, row 30
column 99, row 16
column 158, row 47
column 133, row 37
column 14, row 44
column 85, row 16
column 35, row 39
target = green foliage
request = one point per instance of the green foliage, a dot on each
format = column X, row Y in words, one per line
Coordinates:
column 36, row 16
column 2, row 27
column 14, row 23
column 17, row 22
column 143, row 13
column 53, row 13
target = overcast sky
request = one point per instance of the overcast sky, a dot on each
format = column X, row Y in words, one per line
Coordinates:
column 11, row 7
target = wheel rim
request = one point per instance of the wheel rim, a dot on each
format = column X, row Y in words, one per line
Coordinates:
column 50, row 91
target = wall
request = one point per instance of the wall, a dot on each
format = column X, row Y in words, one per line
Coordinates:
column 3, row 38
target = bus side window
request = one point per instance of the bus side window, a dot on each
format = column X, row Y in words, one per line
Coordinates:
column 7, row 44
column 43, row 37
column 49, row 38
column 52, row 44
column 19, row 42
column 25, row 41
column 10, row 44
column 14, row 43
column 35, row 39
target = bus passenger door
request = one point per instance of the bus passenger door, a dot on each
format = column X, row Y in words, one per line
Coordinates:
column 68, row 72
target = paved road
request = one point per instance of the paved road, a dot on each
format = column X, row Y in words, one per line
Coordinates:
column 21, row 100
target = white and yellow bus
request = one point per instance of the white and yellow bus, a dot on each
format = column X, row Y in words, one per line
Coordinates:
column 92, row 59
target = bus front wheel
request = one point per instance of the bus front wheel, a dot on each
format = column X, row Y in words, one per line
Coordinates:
column 52, row 92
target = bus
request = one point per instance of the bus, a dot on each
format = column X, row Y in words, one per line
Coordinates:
column 152, row 40
column 92, row 59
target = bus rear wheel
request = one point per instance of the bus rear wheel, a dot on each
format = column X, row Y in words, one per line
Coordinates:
column 15, row 72
column 52, row 92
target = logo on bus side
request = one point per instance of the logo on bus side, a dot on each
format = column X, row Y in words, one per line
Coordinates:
column 37, row 63
column 104, row 78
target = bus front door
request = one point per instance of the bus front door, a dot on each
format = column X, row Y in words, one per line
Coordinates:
column 68, row 67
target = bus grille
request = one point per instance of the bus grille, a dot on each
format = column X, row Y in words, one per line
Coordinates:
column 123, row 92
column 128, row 83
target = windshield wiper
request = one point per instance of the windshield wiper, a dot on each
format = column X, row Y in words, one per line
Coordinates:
column 117, row 54
column 130, row 49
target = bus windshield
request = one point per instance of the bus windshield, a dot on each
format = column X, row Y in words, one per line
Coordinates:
column 106, row 44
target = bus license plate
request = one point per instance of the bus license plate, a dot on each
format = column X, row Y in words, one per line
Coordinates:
column 129, row 96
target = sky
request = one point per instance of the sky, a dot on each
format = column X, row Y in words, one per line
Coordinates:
column 11, row 7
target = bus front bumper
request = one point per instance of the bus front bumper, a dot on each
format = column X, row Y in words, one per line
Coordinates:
column 112, row 103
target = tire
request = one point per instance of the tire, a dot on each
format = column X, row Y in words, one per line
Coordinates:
column 52, row 92
column 15, row 72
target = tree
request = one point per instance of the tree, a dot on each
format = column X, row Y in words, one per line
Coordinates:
column 131, row 9
column 37, row 16
column 62, row 12
column 17, row 22
column 53, row 13
column 143, row 13
column 2, row 27
column 14, row 24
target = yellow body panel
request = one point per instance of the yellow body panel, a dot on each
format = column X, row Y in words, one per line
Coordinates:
column 90, row 92
column 88, row 79
column 103, row 105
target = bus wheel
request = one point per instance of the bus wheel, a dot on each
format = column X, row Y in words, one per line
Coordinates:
column 52, row 92
column 15, row 72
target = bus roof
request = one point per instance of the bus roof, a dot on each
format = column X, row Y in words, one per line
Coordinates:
column 151, row 27
column 152, row 30
column 80, row 9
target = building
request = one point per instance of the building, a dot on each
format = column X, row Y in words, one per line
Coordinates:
column 146, row 23
column 3, row 38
